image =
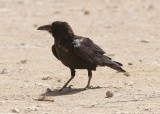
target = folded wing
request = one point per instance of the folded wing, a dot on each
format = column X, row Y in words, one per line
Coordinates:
column 90, row 52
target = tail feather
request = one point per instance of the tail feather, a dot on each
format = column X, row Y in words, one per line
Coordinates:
column 118, row 63
column 118, row 68
column 113, row 64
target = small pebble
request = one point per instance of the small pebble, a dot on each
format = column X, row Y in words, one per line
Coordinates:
column 129, row 83
column 49, row 90
column 150, row 7
column 46, row 78
column 130, row 63
column 35, row 26
column 32, row 108
column 145, row 41
column 46, row 113
column 23, row 61
column 109, row 94
column 22, row 44
column 42, row 105
column 147, row 109
column 4, row 71
column 127, row 74
column 21, row 68
column 1, row 103
column 86, row 12
column 15, row 110
column 41, row 84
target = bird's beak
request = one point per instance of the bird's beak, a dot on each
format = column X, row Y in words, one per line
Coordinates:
column 45, row 27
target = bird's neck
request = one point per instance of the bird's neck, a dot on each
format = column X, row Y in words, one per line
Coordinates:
column 63, row 37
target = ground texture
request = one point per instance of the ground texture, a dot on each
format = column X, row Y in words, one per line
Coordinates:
column 128, row 30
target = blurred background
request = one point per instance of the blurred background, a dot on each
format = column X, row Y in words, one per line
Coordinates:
column 128, row 30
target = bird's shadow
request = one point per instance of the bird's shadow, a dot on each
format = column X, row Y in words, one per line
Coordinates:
column 66, row 91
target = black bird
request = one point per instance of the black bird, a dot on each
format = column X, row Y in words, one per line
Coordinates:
column 77, row 52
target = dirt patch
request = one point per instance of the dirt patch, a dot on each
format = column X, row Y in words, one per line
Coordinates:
column 127, row 30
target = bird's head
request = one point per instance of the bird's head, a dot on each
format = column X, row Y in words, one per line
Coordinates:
column 58, row 30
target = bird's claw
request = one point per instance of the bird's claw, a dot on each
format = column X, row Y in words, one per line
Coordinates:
column 88, row 87
column 69, row 87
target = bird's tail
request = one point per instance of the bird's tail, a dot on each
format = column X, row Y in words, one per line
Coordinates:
column 112, row 64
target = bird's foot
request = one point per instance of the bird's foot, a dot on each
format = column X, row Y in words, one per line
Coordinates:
column 91, row 87
column 65, row 89
column 88, row 87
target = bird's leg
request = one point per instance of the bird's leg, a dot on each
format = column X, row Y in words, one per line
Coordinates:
column 89, row 78
column 72, row 76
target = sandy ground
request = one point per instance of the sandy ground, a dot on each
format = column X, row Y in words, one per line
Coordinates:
column 128, row 30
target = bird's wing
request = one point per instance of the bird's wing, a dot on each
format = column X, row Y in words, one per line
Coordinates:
column 54, row 52
column 87, row 50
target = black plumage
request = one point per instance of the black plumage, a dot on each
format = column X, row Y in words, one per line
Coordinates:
column 77, row 52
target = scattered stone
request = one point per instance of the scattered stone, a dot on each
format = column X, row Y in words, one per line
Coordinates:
column 20, row 2
column 1, row 103
column 156, row 63
column 147, row 109
column 49, row 90
column 25, row 86
column 15, row 110
column 22, row 44
column 58, row 80
column 32, row 108
column 41, row 84
column 23, row 61
column 86, row 12
column 46, row 78
column 150, row 7
column 129, row 83
column 91, row 106
column 130, row 63
column 4, row 71
column 46, row 113
column 109, row 94
column 118, row 95
column 57, row 12
column 145, row 41
column 21, row 68
column 126, row 74
column 140, row 60
column 107, row 27
column 42, row 105
column 35, row 26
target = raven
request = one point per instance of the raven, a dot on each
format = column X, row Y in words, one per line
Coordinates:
column 77, row 52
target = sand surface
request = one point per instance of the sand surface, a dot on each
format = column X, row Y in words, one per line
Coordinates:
column 129, row 32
